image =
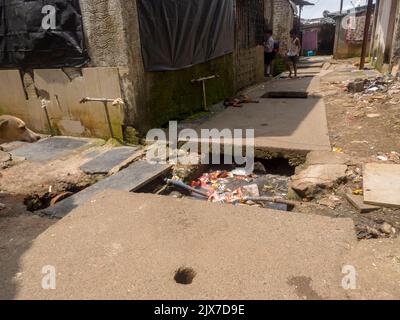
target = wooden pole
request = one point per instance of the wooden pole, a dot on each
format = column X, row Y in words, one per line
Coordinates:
column 366, row 34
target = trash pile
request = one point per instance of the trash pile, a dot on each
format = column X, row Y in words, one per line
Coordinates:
column 239, row 187
column 382, row 84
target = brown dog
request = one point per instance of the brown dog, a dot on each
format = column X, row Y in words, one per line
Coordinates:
column 14, row 129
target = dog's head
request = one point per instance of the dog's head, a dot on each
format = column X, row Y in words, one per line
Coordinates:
column 14, row 129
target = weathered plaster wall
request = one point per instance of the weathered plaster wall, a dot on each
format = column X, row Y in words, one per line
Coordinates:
column 21, row 96
column 384, row 31
column 249, row 66
column 344, row 49
column 152, row 98
column 282, row 23
column 395, row 59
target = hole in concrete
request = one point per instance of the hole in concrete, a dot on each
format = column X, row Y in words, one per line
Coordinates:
column 36, row 202
column 184, row 275
column 285, row 95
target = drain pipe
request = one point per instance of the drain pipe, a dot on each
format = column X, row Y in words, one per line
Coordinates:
column 203, row 83
column 105, row 102
column 46, row 112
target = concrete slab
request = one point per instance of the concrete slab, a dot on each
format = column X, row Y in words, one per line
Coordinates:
column 121, row 245
column 130, row 179
column 283, row 124
column 50, row 148
column 382, row 184
column 305, row 64
column 358, row 203
column 105, row 162
column 308, row 84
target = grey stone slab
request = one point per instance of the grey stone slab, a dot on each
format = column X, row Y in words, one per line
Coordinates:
column 123, row 245
column 50, row 148
column 130, row 179
column 108, row 160
column 358, row 203
column 382, row 184
column 279, row 124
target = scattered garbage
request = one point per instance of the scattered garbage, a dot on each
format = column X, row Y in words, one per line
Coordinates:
column 392, row 157
column 237, row 102
column 238, row 186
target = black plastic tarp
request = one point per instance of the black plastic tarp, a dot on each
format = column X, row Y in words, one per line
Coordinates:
column 25, row 43
column 177, row 34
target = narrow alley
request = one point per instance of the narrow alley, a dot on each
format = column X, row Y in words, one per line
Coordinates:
column 254, row 160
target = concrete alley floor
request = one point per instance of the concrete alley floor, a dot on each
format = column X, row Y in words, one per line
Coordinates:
column 122, row 245
column 280, row 124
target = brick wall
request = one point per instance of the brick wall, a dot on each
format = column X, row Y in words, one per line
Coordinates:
column 282, row 22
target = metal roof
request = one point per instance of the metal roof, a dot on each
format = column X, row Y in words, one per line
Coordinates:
column 302, row 3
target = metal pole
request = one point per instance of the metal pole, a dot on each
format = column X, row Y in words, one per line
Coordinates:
column 108, row 119
column 105, row 103
column 46, row 112
column 341, row 6
column 204, row 95
column 366, row 34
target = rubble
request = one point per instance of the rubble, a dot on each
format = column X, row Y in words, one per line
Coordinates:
column 237, row 186
column 315, row 178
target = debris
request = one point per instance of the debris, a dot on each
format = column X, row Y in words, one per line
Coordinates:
column 356, row 86
column 182, row 185
column 382, row 158
column 358, row 203
column 328, row 202
column 358, row 192
column 315, row 178
column 251, row 191
column 373, row 115
column 259, row 168
column 337, row 149
column 387, row 228
column 366, row 232
column 272, row 200
column 2, row 206
column 176, row 194
column 240, row 172
column 60, row 197
column 237, row 102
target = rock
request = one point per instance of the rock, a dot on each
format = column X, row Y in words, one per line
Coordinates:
column 259, row 168
column 356, row 86
column 386, row 228
column 358, row 202
column 327, row 202
column 2, row 206
column 176, row 194
column 327, row 157
column 4, row 156
column 315, row 178
column 251, row 190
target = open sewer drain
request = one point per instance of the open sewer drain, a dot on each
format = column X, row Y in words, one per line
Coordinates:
column 229, row 184
column 184, row 275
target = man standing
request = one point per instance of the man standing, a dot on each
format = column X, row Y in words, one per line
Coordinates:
column 293, row 53
column 269, row 53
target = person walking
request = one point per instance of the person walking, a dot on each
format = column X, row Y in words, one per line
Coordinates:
column 269, row 53
column 293, row 53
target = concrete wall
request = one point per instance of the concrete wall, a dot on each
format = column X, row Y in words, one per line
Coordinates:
column 153, row 98
column 386, row 44
column 282, row 23
column 344, row 49
column 21, row 95
column 21, row 91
